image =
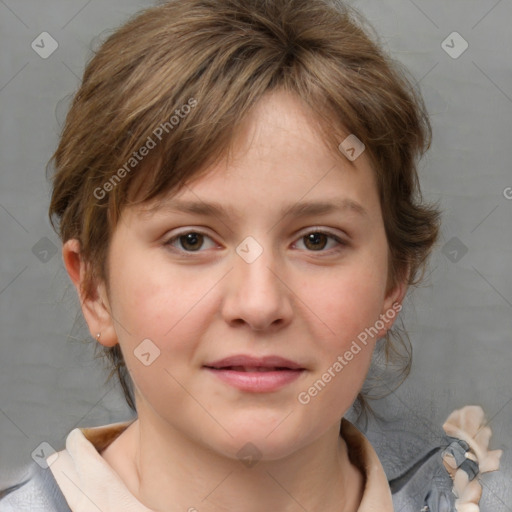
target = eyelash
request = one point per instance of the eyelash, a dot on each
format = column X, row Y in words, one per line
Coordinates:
column 341, row 243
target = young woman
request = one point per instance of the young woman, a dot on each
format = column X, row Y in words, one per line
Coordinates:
column 237, row 197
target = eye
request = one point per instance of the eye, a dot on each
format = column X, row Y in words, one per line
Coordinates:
column 189, row 241
column 316, row 241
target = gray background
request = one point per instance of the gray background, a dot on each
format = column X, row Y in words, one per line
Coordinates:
column 460, row 321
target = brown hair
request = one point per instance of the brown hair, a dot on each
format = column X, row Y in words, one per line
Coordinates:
column 178, row 80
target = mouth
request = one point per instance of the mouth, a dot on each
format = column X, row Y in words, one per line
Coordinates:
column 254, row 363
column 255, row 369
column 256, row 379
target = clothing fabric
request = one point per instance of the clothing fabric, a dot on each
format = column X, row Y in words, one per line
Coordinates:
column 408, row 475
column 85, row 482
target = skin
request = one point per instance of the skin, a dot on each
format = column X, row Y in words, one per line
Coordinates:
column 306, row 301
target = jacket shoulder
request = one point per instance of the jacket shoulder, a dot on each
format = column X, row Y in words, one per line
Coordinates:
column 37, row 491
column 423, row 461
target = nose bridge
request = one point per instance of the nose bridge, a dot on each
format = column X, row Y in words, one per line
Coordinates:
column 257, row 295
column 256, row 268
column 259, row 274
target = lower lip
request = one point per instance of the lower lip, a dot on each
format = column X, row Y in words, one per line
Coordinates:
column 257, row 382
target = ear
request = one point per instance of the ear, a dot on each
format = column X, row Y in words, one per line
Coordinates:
column 392, row 306
column 95, row 306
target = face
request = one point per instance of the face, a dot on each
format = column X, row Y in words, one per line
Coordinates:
column 251, row 279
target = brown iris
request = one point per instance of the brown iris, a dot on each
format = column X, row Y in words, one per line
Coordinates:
column 315, row 239
column 191, row 241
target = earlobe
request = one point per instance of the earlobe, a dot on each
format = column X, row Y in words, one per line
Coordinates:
column 94, row 302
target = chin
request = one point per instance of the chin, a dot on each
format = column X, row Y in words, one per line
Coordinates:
column 261, row 443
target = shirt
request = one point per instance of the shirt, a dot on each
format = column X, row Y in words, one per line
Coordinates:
column 90, row 484
column 428, row 469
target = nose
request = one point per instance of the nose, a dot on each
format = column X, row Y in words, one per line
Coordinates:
column 257, row 294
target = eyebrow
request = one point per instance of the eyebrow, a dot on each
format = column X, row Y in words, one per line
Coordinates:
column 300, row 209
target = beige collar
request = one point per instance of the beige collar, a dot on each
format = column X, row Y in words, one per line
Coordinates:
column 377, row 494
column 89, row 484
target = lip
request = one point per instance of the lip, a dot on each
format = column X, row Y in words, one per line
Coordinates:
column 256, row 362
column 256, row 381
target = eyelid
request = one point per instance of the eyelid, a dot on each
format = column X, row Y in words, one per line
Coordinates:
column 341, row 240
column 200, row 231
column 321, row 229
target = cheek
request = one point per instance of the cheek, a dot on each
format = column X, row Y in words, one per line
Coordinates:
column 150, row 301
column 344, row 353
column 155, row 324
column 334, row 386
column 169, row 308
column 352, row 301
column 348, row 304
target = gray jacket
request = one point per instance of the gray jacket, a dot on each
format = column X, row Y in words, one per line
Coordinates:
column 417, row 478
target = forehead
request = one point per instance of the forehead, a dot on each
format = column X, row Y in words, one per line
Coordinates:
column 279, row 161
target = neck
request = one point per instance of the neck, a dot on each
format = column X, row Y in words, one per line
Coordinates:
column 161, row 466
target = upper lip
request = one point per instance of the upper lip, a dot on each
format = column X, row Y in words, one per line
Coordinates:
column 255, row 362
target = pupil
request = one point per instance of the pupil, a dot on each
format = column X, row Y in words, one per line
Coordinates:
column 316, row 238
column 192, row 240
